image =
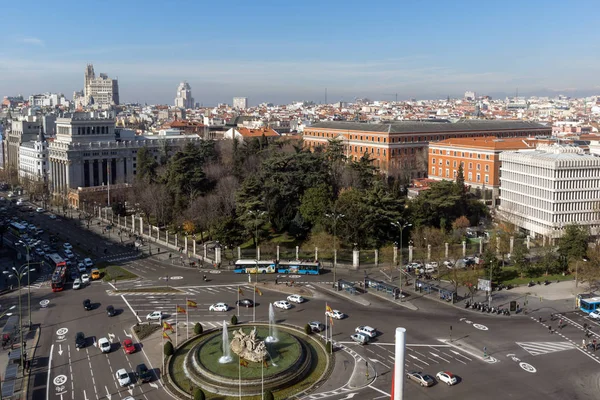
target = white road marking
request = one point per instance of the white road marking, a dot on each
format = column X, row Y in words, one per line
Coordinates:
column 131, row 308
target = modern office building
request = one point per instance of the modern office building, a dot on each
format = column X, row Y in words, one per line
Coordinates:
column 546, row 189
column 184, row 98
column 241, row 103
column 102, row 90
column 402, row 146
column 33, row 159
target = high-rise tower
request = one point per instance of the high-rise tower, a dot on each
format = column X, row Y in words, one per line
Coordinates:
column 184, row 97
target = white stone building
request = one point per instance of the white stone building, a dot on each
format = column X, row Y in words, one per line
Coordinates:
column 102, row 91
column 241, row 103
column 33, row 159
column 544, row 190
column 184, row 97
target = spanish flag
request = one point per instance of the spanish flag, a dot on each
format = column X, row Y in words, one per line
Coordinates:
column 240, row 291
column 191, row 303
column 167, row 326
column 257, row 290
column 180, row 310
column 328, row 309
column 243, row 362
column 165, row 336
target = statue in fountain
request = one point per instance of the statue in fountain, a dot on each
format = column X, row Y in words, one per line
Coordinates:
column 248, row 346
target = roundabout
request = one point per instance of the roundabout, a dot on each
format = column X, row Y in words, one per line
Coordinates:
column 290, row 365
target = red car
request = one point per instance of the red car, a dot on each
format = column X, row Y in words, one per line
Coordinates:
column 128, row 346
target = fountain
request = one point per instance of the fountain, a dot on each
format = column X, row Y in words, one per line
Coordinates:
column 272, row 338
column 226, row 357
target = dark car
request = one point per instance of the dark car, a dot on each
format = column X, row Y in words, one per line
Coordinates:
column 143, row 373
column 74, row 275
column 79, row 340
column 244, row 303
column 87, row 304
column 110, row 310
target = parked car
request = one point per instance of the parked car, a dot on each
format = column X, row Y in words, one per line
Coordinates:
column 316, row 326
column 366, row 330
column 79, row 340
column 128, row 346
column 123, row 377
column 218, row 307
column 104, row 344
column 244, row 303
column 446, row 377
column 282, row 304
column 40, row 210
column 143, row 373
column 359, row 338
column 421, row 379
column 295, row 298
column 154, row 316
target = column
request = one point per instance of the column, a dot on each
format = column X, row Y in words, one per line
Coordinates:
column 316, row 253
column 176, row 245
column 194, row 244
column 297, row 251
column 185, row 244
column 239, row 251
column 277, row 253
column 481, row 245
column 258, row 253
column 206, row 251
column 167, row 236
column 133, row 223
column 464, row 244
column 376, row 257
column 141, row 226
column 512, row 244
column 428, row 252
column 446, row 251
column 395, row 256
column 410, row 254
column 355, row 258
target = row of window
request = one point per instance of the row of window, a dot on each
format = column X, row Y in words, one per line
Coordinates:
column 469, row 176
column 530, row 181
column 454, row 164
column 406, row 139
column 92, row 130
column 459, row 154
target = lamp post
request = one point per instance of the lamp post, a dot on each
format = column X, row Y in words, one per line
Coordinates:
column 256, row 215
column 19, row 273
column 400, row 226
column 2, row 315
column 334, row 216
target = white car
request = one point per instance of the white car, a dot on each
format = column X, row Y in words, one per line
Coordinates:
column 366, row 330
column 85, row 279
column 448, row 264
column 295, row 298
column 52, row 216
column 595, row 314
column 282, row 304
column 88, row 262
column 337, row 314
column 446, row 377
column 104, row 345
column 77, row 284
column 123, row 377
column 40, row 210
column 154, row 316
column 218, row 307
column 68, row 246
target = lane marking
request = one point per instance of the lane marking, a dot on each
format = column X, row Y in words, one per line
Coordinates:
column 49, row 369
column 131, row 308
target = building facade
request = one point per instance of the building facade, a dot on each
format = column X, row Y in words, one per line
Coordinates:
column 402, row 146
column 480, row 158
column 102, row 90
column 241, row 103
column 546, row 189
column 184, row 98
column 90, row 152
column 33, row 159
column 21, row 131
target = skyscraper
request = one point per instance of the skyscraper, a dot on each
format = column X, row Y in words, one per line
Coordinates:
column 102, row 91
column 184, row 97
column 240, row 103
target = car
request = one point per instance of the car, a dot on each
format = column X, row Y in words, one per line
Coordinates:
column 128, row 398
column 316, row 326
column 68, row 246
column 52, row 216
column 46, row 248
column 595, row 314
column 336, row 314
column 85, row 279
column 244, row 303
column 74, row 274
column 421, row 379
column 88, row 262
column 143, row 373
column 39, row 210
column 282, row 304
column 295, row 298
column 104, row 345
column 128, row 346
column 123, row 377
column 77, row 284
column 96, row 274
column 366, row 330
column 154, row 316
column 87, row 304
column 79, row 340
column 69, row 254
column 448, row 264
column 110, row 311
column 359, row 338
column 446, row 377
column 81, row 267
column 39, row 251
column 218, row 307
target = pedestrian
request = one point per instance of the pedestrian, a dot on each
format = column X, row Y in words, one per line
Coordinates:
column 550, row 328
column 583, row 343
column 560, row 323
column 594, row 342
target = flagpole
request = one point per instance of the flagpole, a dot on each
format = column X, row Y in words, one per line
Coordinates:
column 262, row 380
column 326, row 330
column 240, row 376
column 176, row 327
column 254, row 307
column 238, row 302
column 187, row 319
column 163, row 344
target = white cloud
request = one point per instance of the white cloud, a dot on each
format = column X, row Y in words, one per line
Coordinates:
column 32, row 40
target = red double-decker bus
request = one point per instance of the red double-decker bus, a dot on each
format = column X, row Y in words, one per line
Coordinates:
column 59, row 276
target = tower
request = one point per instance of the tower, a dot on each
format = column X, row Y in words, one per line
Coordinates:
column 88, row 77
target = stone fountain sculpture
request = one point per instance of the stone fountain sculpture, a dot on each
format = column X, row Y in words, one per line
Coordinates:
column 248, row 346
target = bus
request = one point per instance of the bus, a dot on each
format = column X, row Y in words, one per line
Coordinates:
column 254, row 266
column 299, row 267
column 59, row 276
column 588, row 304
column 17, row 229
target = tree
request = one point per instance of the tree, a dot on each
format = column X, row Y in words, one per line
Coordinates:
column 198, row 328
column 520, row 256
column 460, row 225
column 460, row 179
column 307, row 329
column 234, row 320
column 315, row 203
column 146, row 165
column 269, row 395
column 573, row 244
column 168, row 349
column 199, row 394
column 491, row 265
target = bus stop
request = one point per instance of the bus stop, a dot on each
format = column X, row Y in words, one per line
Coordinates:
column 423, row 286
column 346, row 285
column 381, row 286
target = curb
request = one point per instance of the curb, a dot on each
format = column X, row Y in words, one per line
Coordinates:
column 365, row 303
column 31, row 356
column 405, row 303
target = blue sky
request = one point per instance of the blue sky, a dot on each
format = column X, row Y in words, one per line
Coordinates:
column 280, row 51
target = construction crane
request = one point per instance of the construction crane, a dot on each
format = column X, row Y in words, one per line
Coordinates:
column 392, row 94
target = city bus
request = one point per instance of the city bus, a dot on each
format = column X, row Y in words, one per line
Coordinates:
column 299, row 267
column 254, row 266
column 17, row 229
column 589, row 304
column 59, row 276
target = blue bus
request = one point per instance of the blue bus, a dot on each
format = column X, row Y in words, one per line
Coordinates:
column 255, row 267
column 299, row 267
column 588, row 304
column 17, row 229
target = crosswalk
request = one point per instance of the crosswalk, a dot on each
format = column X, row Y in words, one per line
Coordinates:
column 41, row 281
column 538, row 348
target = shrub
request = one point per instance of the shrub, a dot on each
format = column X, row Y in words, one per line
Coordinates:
column 168, row 349
column 269, row 395
column 198, row 328
column 307, row 329
column 199, row 394
column 234, row 320
column 328, row 347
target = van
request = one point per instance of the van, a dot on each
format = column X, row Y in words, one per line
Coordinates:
column 95, row 274
column 360, row 338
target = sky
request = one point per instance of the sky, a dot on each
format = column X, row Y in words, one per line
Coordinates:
column 280, row 51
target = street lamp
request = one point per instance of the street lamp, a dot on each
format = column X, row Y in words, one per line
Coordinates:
column 256, row 214
column 335, row 216
column 400, row 226
column 19, row 273
column 7, row 312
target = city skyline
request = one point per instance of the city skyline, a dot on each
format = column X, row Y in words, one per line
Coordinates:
column 282, row 53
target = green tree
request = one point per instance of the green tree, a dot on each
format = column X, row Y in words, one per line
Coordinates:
column 269, row 395
column 520, row 256
column 307, row 329
column 353, row 228
column 315, row 203
column 199, row 394
column 460, row 179
column 146, row 166
column 365, row 171
column 491, row 265
column 168, row 349
column 234, row 320
column 573, row 244
column 198, row 328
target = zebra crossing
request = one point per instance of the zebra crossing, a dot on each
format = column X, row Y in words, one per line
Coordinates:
column 226, row 289
column 41, row 281
column 539, row 348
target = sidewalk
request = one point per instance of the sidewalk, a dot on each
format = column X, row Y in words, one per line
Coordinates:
column 21, row 382
column 358, row 298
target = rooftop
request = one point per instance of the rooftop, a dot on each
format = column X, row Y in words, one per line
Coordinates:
column 490, row 142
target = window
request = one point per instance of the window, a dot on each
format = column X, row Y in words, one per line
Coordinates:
column 478, row 166
column 447, row 173
column 454, row 164
column 487, row 179
column 487, row 168
column 432, row 170
column 447, row 163
column 433, row 160
column 487, row 156
column 470, row 176
column 470, row 165
column 478, row 177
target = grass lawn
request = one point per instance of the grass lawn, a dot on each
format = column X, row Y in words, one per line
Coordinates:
column 112, row 272
column 510, row 275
